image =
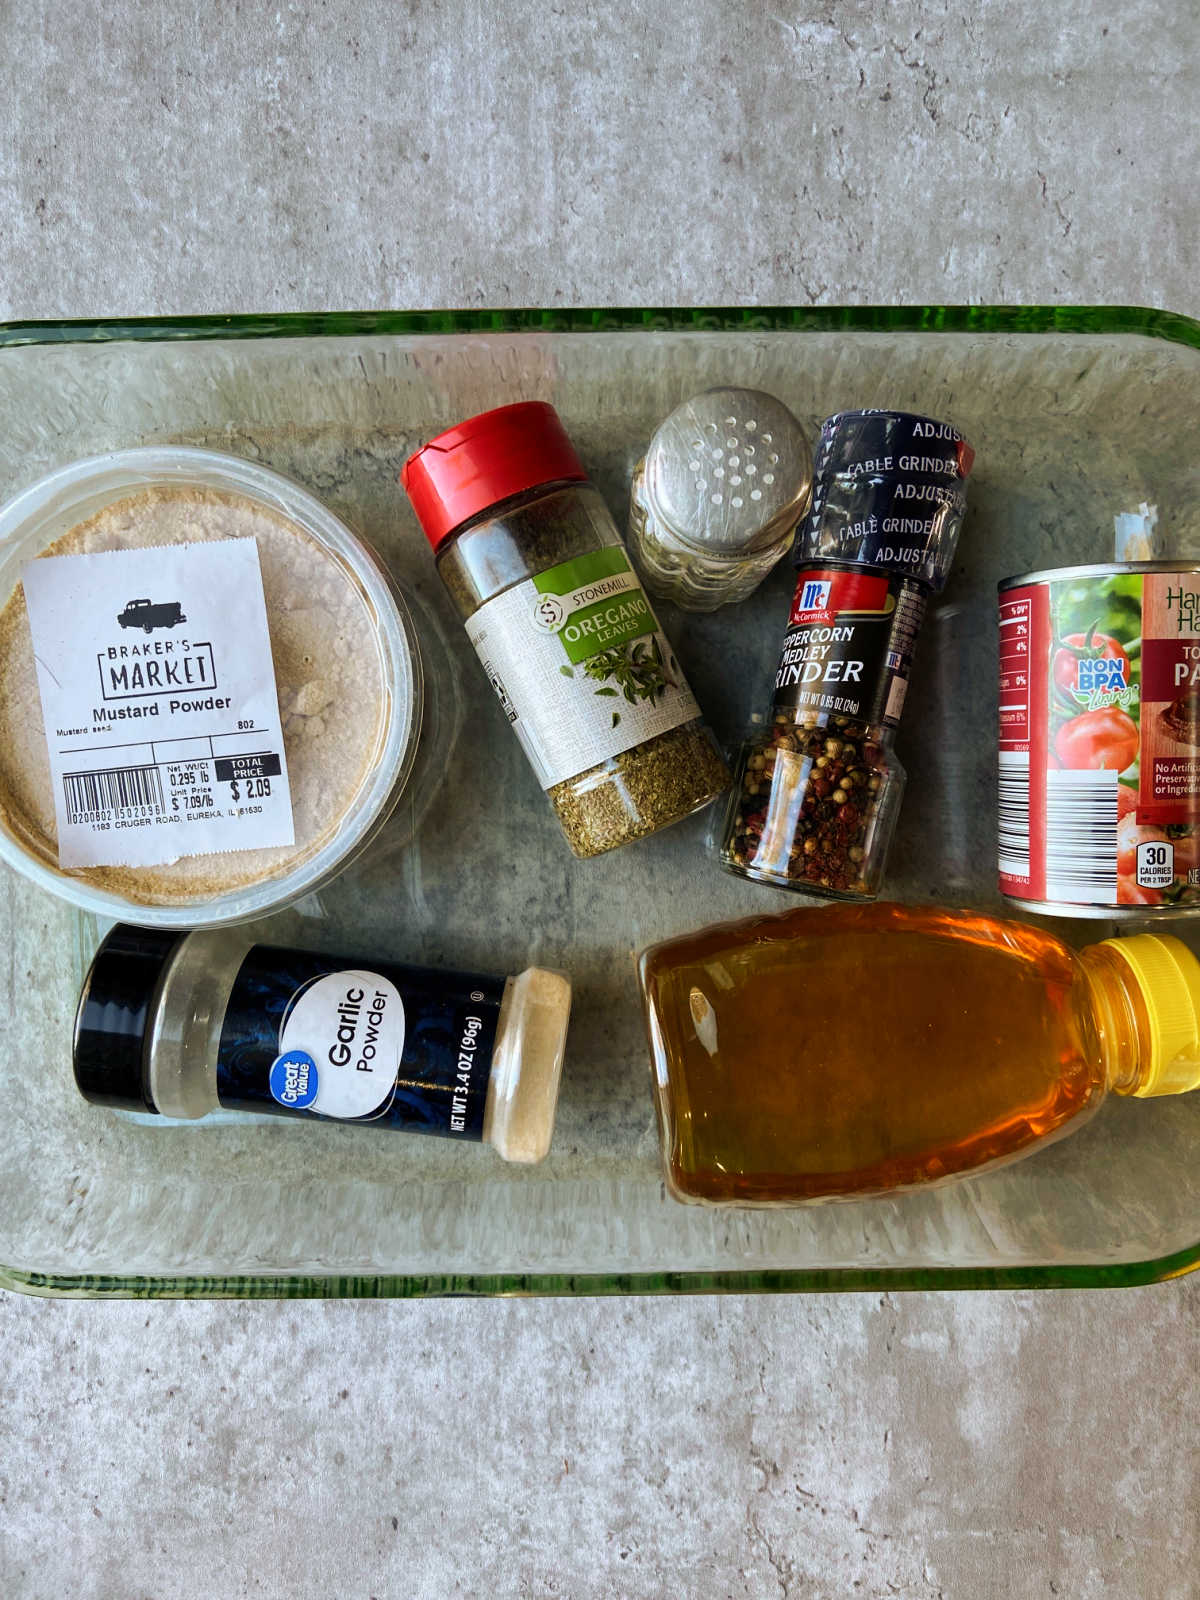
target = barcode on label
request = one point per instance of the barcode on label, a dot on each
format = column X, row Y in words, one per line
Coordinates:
column 497, row 683
column 1081, row 837
column 1013, row 804
column 96, row 796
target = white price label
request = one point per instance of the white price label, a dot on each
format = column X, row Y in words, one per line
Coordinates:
column 158, row 696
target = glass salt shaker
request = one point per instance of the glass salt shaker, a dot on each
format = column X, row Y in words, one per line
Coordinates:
column 716, row 500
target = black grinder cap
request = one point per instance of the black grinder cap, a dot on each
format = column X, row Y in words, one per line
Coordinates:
column 114, row 1013
column 849, row 439
column 889, row 493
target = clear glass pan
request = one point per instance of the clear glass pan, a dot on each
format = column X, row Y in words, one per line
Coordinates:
column 1077, row 415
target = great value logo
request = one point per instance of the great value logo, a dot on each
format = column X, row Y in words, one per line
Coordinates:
column 293, row 1080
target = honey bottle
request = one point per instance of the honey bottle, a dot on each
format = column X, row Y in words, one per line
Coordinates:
column 856, row 1050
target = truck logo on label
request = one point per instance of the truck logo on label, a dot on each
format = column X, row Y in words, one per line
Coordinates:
column 148, row 614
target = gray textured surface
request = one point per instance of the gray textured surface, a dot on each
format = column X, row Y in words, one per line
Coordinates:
column 181, row 158
column 339, row 154
column 986, row 1447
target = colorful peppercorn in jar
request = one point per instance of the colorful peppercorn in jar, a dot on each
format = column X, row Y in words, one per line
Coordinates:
column 817, row 790
column 1099, row 760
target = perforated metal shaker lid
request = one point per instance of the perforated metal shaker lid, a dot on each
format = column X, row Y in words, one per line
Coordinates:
column 729, row 472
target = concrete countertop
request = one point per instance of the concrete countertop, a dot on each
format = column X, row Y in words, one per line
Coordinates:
column 340, row 155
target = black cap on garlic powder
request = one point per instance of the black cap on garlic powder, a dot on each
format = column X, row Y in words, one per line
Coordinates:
column 113, row 1016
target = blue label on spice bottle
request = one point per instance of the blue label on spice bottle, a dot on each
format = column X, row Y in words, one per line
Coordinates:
column 307, row 1035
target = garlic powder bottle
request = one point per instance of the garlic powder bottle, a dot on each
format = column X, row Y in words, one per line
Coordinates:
column 182, row 1026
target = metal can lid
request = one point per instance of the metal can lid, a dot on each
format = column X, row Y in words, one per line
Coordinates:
column 729, row 472
column 1096, row 569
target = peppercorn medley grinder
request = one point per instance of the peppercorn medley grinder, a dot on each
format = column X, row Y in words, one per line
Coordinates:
column 817, row 791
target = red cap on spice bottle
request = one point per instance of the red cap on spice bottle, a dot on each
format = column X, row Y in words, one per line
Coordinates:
column 484, row 460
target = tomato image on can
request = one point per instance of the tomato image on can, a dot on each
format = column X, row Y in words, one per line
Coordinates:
column 1105, row 739
column 1092, row 647
column 1099, row 784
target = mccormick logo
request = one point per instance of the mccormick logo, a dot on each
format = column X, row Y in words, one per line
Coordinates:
column 820, row 596
column 813, row 596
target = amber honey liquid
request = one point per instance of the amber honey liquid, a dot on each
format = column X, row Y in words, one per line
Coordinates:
column 852, row 1050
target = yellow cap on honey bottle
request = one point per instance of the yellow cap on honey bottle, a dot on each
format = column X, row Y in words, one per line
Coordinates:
column 1167, row 976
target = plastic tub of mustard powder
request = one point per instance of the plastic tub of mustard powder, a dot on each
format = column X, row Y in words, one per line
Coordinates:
column 346, row 669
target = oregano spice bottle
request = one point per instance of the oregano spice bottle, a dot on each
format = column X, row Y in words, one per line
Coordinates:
column 589, row 681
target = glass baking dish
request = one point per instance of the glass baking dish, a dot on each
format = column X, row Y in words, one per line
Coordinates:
column 1076, row 414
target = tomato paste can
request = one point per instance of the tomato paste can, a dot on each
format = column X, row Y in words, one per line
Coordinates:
column 1099, row 783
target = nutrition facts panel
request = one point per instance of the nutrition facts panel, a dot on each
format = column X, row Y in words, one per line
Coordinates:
column 1016, row 626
